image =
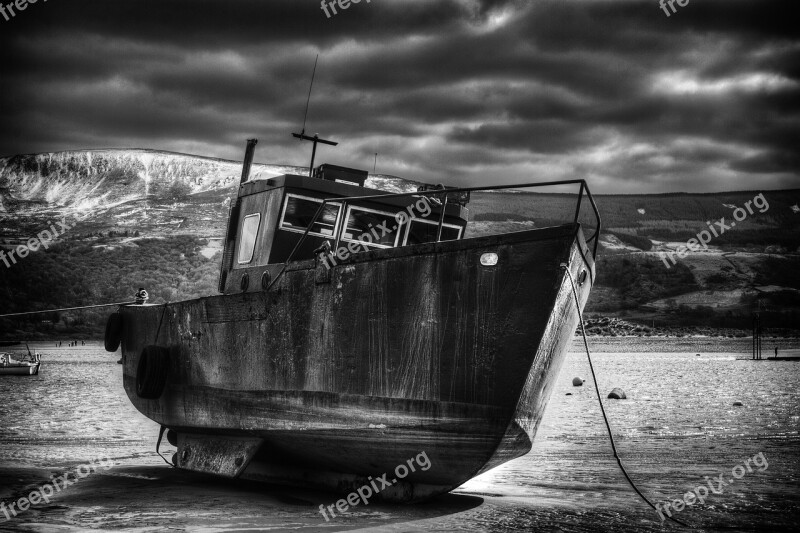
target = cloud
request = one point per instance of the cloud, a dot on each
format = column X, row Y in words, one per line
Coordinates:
column 461, row 92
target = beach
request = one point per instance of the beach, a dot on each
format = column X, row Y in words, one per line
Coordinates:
column 677, row 429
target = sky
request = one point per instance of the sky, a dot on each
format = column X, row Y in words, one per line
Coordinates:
column 458, row 92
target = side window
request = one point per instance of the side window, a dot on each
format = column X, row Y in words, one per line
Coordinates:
column 369, row 223
column 420, row 230
column 298, row 211
column 247, row 238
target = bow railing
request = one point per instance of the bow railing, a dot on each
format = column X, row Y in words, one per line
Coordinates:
column 444, row 194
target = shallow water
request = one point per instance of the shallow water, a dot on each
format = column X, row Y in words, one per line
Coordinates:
column 677, row 426
column 74, row 409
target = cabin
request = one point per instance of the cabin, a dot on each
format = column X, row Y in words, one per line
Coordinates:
column 272, row 222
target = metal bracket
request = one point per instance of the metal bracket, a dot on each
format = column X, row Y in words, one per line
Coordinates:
column 213, row 454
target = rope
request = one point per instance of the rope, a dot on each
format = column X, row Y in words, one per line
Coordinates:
column 158, row 330
column 158, row 445
column 600, row 401
column 66, row 309
column 163, row 428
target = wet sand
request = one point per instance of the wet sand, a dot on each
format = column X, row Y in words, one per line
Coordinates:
column 155, row 498
column 152, row 498
column 678, row 426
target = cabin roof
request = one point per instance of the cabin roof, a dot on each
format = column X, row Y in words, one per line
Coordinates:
column 334, row 188
column 329, row 189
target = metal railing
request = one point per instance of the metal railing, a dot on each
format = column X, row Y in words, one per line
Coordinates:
column 344, row 200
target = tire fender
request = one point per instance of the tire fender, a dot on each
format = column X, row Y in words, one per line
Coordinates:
column 152, row 372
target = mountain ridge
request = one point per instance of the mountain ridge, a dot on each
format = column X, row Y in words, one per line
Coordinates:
column 157, row 218
column 88, row 185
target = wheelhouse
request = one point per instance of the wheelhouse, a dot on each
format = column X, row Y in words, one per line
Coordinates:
column 290, row 218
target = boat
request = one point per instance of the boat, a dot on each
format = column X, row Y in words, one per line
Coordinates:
column 356, row 329
column 12, row 367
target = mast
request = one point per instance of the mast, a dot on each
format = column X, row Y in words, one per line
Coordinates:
column 315, row 139
column 302, row 135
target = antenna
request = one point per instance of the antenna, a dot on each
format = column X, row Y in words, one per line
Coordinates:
column 302, row 135
column 376, row 163
column 315, row 139
column 305, row 116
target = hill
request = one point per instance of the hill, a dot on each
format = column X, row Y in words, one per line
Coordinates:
column 156, row 219
column 155, row 193
column 751, row 265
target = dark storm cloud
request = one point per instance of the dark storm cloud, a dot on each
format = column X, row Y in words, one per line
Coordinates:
column 453, row 91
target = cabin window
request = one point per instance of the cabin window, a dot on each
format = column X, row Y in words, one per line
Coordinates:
column 421, row 230
column 247, row 241
column 378, row 228
column 298, row 211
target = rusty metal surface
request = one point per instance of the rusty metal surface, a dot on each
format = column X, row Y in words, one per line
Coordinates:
column 214, row 454
column 422, row 343
column 548, row 360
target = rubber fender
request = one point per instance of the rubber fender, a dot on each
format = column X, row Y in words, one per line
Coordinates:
column 151, row 374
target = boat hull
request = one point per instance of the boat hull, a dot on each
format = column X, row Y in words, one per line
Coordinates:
column 338, row 374
column 19, row 370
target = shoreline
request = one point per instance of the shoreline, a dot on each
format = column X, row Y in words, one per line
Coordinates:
column 597, row 343
column 697, row 344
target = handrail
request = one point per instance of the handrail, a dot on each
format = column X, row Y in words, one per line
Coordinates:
column 441, row 219
column 345, row 199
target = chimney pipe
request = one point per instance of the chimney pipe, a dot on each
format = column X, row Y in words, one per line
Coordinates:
column 248, row 159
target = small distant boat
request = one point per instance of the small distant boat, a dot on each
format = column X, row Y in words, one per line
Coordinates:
column 12, row 367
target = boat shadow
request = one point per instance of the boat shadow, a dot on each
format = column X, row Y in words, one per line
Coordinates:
column 140, row 497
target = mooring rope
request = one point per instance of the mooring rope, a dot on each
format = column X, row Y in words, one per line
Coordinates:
column 158, row 445
column 158, row 330
column 600, row 401
column 163, row 427
column 66, row 309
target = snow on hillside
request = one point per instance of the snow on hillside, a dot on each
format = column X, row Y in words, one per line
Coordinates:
column 85, row 182
column 153, row 191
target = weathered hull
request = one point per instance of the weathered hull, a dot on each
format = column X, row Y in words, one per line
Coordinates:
column 335, row 375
